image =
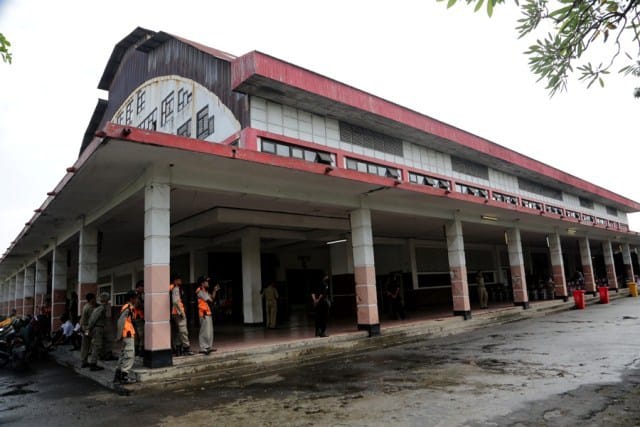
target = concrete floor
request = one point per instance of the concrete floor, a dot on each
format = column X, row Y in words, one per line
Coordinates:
column 580, row 366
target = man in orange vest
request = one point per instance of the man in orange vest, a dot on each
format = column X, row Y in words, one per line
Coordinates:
column 126, row 334
column 179, row 316
column 204, row 313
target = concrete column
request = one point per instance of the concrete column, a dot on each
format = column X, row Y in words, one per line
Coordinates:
column 458, row 269
column 198, row 264
column 557, row 266
column 587, row 265
column 251, row 277
column 28, row 290
column 19, row 293
column 59, row 286
column 364, row 269
column 87, row 265
column 497, row 262
column 12, row 293
column 157, row 258
column 609, row 264
column 516, row 265
column 3, row 297
column 40, row 285
column 629, row 275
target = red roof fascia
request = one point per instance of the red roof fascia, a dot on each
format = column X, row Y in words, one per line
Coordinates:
column 257, row 63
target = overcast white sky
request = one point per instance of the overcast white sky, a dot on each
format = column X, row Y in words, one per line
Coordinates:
column 454, row 65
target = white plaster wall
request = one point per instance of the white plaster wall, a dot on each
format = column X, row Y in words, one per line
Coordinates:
column 295, row 123
column 425, row 159
column 157, row 89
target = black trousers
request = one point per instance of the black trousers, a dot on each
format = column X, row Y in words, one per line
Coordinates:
column 322, row 315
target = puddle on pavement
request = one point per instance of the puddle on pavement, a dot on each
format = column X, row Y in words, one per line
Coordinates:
column 17, row 389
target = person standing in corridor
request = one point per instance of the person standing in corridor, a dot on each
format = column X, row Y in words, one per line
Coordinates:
column 126, row 333
column 205, row 314
column 85, row 346
column 270, row 294
column 321, row 304
column 181, row 342
column 483, row 296
column 97, row 323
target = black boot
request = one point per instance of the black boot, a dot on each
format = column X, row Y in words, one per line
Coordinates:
column 117, row 376
column 95, row 367
column 126, row 379
column 186, row 351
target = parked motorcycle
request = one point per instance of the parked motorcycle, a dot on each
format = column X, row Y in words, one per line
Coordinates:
column 13, row 350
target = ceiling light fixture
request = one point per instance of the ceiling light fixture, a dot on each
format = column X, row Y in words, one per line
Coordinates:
column 333, row 242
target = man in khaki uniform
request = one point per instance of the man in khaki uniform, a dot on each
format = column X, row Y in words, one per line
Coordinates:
column 97, row 323
column 270, row 294
column 181, row 339
column 205, row 314
column 126, row 334
column 483, row 296
column 84, row 325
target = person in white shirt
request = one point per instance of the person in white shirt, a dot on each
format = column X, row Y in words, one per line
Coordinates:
column 67, row 334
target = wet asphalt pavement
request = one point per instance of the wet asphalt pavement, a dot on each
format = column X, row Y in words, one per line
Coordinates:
column 578, row 367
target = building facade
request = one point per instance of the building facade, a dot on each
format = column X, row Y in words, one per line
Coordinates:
column 254, row 170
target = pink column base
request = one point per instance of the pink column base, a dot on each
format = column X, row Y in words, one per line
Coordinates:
column 366, row 296
column 460, row 290
column 28, row 306
column 611, row 276
column 559, row 280
column 589, row 282
column 19, row 307
column 518, row 277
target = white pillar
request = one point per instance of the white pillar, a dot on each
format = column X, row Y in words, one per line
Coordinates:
column 87, row 264
column 587, row 265
column 458, row 269
column 19, row 293
column 58, row 286
column 251, row 277
column 3, row 297
column 516, row 265
column 628, row 264
column 28, row 290
column 610, row 264
column 557, row 265
column 12, row 293
column 364, row 268
column 41, row 285
column 157, row 258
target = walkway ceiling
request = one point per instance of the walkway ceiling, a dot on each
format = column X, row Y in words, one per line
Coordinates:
column 106, row 190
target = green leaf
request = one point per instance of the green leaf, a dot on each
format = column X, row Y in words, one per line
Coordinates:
column 490, row 4
column 478, row 5
column 601, row 82
column 451, row 3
